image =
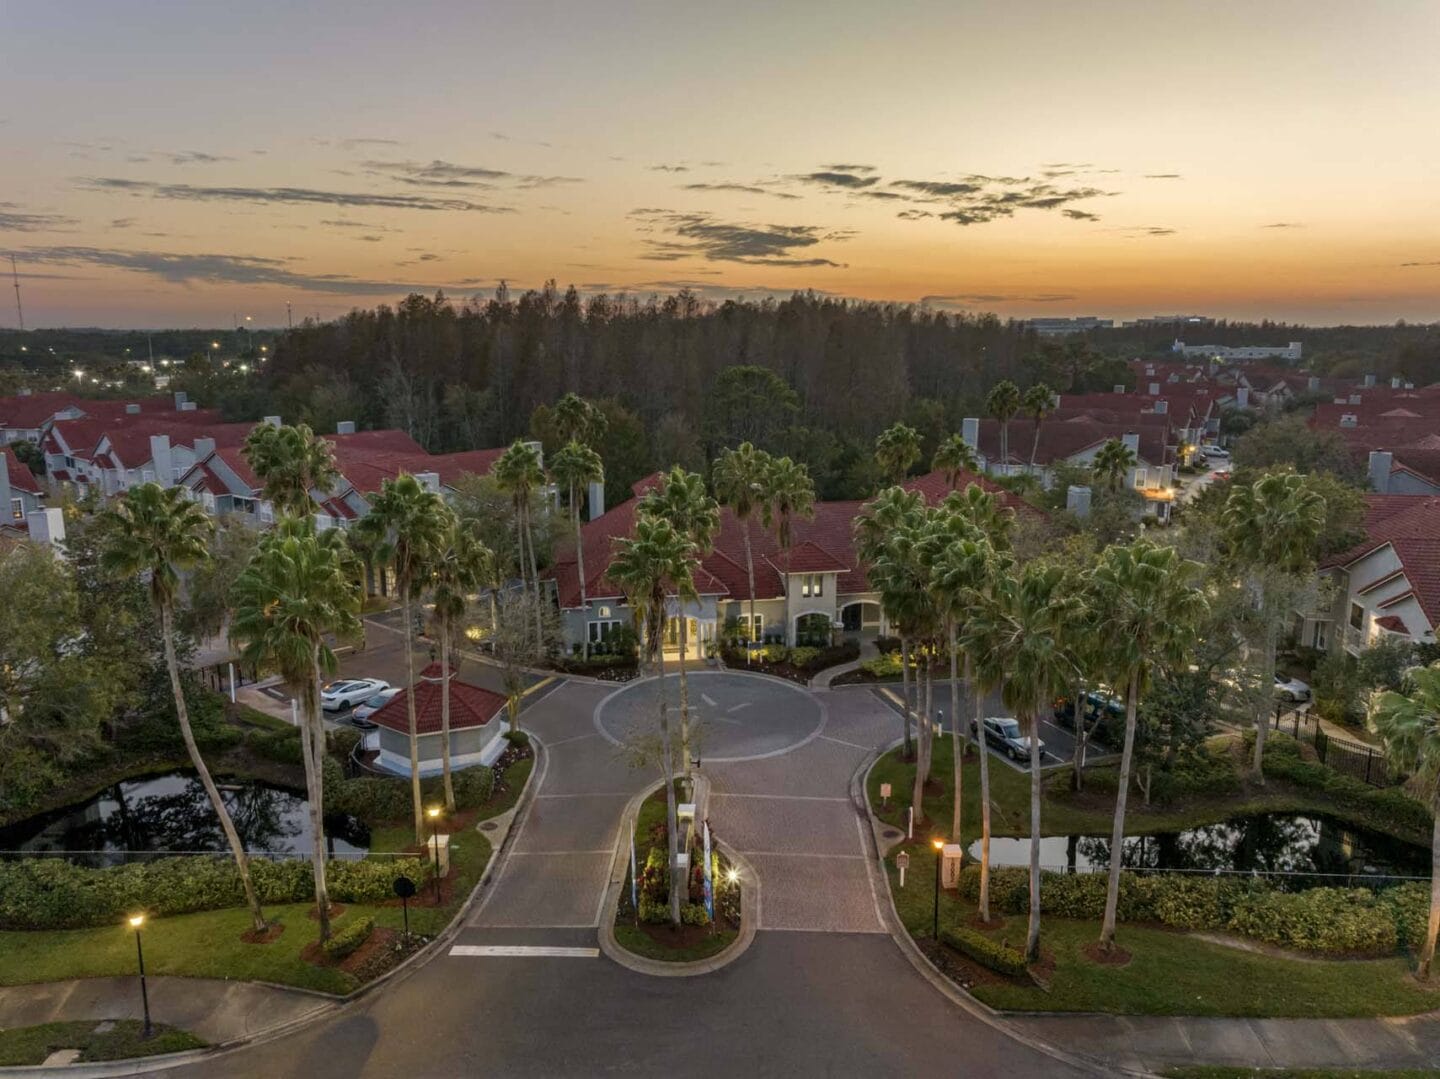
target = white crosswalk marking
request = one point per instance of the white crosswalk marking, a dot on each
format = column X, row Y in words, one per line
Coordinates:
column 707, row 699
column 524, row 951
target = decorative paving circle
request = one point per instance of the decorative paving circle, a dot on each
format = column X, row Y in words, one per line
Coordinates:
column 733, row 716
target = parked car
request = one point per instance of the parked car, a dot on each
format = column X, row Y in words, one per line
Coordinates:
column 1213, row 452
column 362, row 713
column 1003, row 733
column 1104, row 715
column 1223, row 474
column 348, row 692
column 1291, row 689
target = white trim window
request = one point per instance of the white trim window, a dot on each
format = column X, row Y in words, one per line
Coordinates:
column 812, row 584
column 17, row 509
column 600, row 631
column 755, row 632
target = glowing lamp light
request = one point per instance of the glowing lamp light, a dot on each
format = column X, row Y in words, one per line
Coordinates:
column 938, row 844
column 433, row 812
column 136, row 920
column 732, row 875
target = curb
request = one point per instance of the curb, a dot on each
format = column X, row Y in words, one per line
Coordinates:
column 659, row 968
column 331, row 1005
column 976, row 1009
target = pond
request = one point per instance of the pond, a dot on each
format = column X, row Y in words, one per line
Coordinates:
column 1317, row 849
column 140, row 819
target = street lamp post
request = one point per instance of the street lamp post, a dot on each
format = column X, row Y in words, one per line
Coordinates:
column 136, row 921
column 939, row 845
column 434, row 814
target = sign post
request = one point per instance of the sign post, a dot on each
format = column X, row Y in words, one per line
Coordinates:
column 884, row 795
column 902, row 863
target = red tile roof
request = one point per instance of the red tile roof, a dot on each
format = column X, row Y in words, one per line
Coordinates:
column 807, row 557
column 1392, row 622
column 21, row 478
column 470, row 706
column 1065, row 437
column 1410, row 525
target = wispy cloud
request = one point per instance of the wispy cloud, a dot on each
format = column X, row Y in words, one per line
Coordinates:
column 14, row 219
column 286, row 196
column 1080, row 215
column 698, row 235
column 668, row 168
column 1135, row 231
column 747, row 189
column 439, row 173
column 1435, row 262
column 850, row 168
column 835, row 178
column 189, row 269
column 1163, row 176
column 969, row 299
column 1284, row 225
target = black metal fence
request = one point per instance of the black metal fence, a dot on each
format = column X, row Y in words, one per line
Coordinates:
column 1352, row 758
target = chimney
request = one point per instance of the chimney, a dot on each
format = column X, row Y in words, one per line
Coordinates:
column 1131, row 439
column 1313, row 385
column 1154, row 389
column 189, row 406
column 1077, row 501
column 204, row 447
column 597, row 499
column 539, row 450
column 5, row 494
column 160, row 460
column 132, row 410
column 1242, row 396
column 1349, row 419
column 429, row 480
column 970, row 432
column 26, row 391
column 1162, row 406
column 1119, row 388
column 345, row 427
column 273, row 421
column 1380, row 464
column 1354, row 398
column 1396, row 383
column 47, row 526
column 1369, row 382
column 180, row 398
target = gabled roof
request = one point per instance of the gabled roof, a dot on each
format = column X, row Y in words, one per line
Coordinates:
column 470, row 706
column 807, row 557
column 1063, row 438
column 21, row 478
column 1410, row 526
column 1391, row 622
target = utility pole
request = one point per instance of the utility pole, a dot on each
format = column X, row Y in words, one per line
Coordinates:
column 289, row 316
column 19, row 311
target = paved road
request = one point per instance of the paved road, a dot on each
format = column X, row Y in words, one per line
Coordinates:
column 821, row 991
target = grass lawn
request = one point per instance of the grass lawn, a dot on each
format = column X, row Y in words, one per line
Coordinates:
column 634, row 939
column 208, row 944
column 1213, row 1072
column 31, row 1045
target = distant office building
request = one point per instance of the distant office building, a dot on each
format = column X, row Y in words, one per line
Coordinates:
column 1170, row 320
column 1058, row 327
column 1240, row 352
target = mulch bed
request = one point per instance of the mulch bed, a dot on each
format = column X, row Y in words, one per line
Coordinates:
column 685, row 936
column 264, row 936
column 1115, row 956
column 960, row 968
column 996, row 922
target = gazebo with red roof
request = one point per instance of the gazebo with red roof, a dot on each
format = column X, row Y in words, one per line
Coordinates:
column 476, row 725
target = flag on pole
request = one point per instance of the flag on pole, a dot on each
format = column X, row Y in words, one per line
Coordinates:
column 709, row 882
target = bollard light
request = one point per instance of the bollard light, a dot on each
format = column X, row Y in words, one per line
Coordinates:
column 939, row 845
column 136, row 921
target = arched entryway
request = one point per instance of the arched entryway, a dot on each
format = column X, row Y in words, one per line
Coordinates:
column 860, row 616
column 813, row 630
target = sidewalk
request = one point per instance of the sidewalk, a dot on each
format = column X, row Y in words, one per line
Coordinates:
column 213, row 1010
column 1155, row 1043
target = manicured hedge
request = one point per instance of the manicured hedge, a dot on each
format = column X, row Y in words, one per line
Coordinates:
column 49, row 893
column 1389, row 809
column 348, row 938
column 1329, row 920
column 999, row 957
column 383, row 798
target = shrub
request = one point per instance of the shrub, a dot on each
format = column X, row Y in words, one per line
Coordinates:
column 473, row 786
column 281, row 746
column 348, row 938
column 887, row 645
column 804, row 658
column 1320, row 920
column 999, row 957
column 1389, row 809
column 886, row 665
column 694, row 914
column 775, row 653
column 653, row 911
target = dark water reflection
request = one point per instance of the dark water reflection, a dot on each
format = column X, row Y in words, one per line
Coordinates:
column 170, row 814
column 1320, row 849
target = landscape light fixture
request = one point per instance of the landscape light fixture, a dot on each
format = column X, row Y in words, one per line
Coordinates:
column 136, row 921
column 939, row 845
column 434, row 814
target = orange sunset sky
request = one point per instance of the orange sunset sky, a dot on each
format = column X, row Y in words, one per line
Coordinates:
column 178, row 164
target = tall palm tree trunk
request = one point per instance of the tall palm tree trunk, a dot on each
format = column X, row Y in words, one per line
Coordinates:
column 445, row 714
column 410, row 716
column 315, row 789
column 922, row 731
column 750, row 572
column 1262, row 712
column 1004, row 446
column 905, row 692
column 1432, row 927
column 1082, row 735
column 227, row 825
column 672, row 824
column 684, row 696
column 1032, row 935
column 1117, row 831
column 535, row 579
column 1034, row 445
column 956, row 746
column 580, row 571
column 979, row 706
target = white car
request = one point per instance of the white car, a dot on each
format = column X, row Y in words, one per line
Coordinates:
column 362, row 713
column 347, row 692
column 1291, row 689
column 1213, row 452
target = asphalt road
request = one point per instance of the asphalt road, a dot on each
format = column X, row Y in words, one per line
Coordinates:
column 840, row 1001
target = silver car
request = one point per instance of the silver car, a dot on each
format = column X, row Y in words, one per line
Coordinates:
column 1003, row 733
column 347, row 692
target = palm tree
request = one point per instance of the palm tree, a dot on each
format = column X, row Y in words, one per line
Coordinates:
column 290, row 462
column 518, row 472
column 1023, row 625
column 1038, row 402
column 456, row 572
column 1272, row 528
column 875, row 528
column 788, row 493
column 159, row 531
column 683, row 501
column 297, row 592
column 657, row 557
column 1003, row 402
column 1408, row 723
column 407, row 525
column 577, row 420
column 896, row 449
column 739, row 479
column 954, row 456
column 574, row 468
column 1147, row 612
column 1113, row 462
